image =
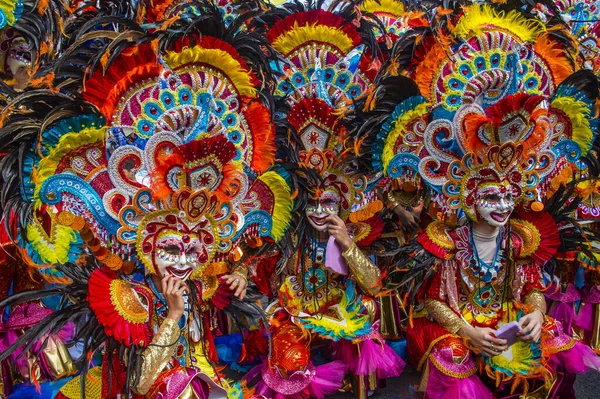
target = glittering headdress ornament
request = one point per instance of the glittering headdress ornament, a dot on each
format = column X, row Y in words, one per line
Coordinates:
column 501, row 165
column 501, row 114
column 199, row 214
column 326, row 66
column 186, row 125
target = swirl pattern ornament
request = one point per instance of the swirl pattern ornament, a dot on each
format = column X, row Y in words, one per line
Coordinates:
column 53, row 188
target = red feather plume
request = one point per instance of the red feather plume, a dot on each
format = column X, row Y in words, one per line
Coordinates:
column 117, row 308
column 262, row 130
column 549, row 235
column 130, row 67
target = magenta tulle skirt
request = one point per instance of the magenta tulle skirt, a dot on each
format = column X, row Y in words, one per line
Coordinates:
column 579, row 359
column 314, row 382
column 441, row 386
column 174, row 382
column 373, row 358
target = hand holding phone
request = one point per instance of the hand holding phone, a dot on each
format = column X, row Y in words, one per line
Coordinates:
column 509, row 332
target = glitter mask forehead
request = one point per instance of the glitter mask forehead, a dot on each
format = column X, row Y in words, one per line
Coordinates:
column 495, row 192
column 177, row 244
column 328, row 202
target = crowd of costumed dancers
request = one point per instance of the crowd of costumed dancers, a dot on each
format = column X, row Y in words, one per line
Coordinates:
column 290, row 199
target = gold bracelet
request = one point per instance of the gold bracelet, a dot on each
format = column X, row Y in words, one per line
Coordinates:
column 393, row 205
column 240, row 274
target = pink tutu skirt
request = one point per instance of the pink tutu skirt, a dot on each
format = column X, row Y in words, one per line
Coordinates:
column 369, row 357
column 314, row 382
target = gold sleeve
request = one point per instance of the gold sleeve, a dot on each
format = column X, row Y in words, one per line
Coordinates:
column 366, row 274
column 536, row 299
column 443, row 315
column 158, row 354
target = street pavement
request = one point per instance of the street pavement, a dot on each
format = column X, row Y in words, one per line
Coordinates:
column 587, row 386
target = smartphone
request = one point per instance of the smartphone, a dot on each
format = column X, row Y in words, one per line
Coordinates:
column 509, row 332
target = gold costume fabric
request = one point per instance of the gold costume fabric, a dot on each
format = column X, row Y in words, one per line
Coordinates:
column 158, row 354
column 537, row 300
column 366, row 274
column 444, row 316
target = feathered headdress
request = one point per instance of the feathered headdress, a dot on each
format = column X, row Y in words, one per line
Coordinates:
column 501, row 113
column 327, row 63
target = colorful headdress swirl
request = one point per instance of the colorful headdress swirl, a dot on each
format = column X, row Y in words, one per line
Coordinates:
column 326, row 66
column 507, row 110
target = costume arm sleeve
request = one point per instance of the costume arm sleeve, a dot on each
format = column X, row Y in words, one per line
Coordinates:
column 367, row 275
column 536, row 299
column 443, row 315
column 157, row 355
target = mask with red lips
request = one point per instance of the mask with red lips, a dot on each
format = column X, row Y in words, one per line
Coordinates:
column 494, row 204
column 318, row 210
column 171, row 244
column 180, row 255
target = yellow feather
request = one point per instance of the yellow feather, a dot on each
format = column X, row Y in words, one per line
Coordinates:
column 478, row 19
column 282, row 207
column 218, row 59
column 393, row 8
column 9, row 6
column 302, row 35
column 579, row 114
column 54, row 250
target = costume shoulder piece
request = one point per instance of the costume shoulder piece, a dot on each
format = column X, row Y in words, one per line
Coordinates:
column 437, row 239
column 122, row 309
column 537, row 234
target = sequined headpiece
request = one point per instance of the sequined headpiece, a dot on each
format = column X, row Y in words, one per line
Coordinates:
column 506, row 111
column 186, row 146
column 317, row 86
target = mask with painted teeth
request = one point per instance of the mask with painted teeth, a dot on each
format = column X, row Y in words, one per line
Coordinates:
column 494, row 204
column 318, row 210
column 181, row 254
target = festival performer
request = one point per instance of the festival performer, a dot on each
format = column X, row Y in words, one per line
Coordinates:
column 325, row 65
column 573, row 294
column 157, row 186
column 29, row 41
column 490, row 131
column 44, row 368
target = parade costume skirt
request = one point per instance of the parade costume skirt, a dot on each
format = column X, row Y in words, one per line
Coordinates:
column 451, row 370
column 369, row 357
column 317, row 382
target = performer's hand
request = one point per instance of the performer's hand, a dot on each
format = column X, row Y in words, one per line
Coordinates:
column 22, row 78
column 482, row 338
column 237, row 283
column 337, row 228
column 410, row 220
column 531, row 327
column 173, row 289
